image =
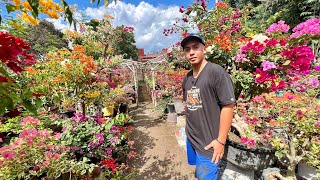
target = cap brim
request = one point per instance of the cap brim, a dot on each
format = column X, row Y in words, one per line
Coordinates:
column 185, row 40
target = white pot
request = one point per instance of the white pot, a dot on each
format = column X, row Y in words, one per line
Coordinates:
column 306, row 171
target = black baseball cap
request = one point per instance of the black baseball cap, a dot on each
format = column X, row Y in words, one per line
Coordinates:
column 192, row 36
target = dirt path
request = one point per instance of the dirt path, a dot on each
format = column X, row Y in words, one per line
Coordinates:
column 159, row 155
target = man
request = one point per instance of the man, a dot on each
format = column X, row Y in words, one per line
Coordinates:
column 209, row 94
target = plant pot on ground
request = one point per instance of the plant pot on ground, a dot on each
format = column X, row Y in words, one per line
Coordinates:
column 253, row 158
column 170, row 108
column 306, row 171
column 67, row 114
column 278, row 174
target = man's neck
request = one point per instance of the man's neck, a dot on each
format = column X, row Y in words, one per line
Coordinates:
column 198, row 68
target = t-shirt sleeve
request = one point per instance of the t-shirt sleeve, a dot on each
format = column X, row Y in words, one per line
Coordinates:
column 224, row 90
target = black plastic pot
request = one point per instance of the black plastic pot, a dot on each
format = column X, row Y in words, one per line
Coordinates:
column 170, row 108
column 257, row 159
column 253, row 158
column 123, row 108
column 67, row 114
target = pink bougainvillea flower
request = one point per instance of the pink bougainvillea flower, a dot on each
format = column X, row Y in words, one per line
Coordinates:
column 317, row 68
column 109, row 151
column 244, row 140
column 240, row 58
column 267, row 65
column 278, row 27
column 30, row 120
column 7, row 155
column 290, row 97
column 251, row 143
column 299, row 113
column 318, row 124
column 314, row 82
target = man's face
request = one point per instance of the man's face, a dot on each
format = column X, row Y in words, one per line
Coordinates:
column 194, row 51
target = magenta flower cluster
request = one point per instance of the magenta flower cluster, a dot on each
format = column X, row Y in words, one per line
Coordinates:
column 300, row 57
column 310, row 27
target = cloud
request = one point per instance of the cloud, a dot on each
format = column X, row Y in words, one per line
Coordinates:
column 148, row 21
column 59, row 23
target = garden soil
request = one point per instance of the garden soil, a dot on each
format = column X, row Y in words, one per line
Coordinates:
column 159, row 156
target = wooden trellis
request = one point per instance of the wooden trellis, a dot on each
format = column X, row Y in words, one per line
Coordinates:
column 134, row 66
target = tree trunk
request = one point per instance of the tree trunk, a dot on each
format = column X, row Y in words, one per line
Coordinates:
column 292, row 161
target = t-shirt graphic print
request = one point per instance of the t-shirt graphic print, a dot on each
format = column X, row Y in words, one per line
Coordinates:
column 194, row 101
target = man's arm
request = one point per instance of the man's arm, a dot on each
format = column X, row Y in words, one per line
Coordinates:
column 226, row 116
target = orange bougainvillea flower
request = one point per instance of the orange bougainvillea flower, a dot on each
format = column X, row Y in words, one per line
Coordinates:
column 17, row 3
column 57, row 79
column 221, row 5
column 78, row 49
column 27, row 5
column 31, row 70
column 29, row 19
column 107, row 16
column 69, row 66
column 224, row 41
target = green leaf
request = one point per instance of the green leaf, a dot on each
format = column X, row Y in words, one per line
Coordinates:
column 286, row 63
column 10, row 8
column 6, row 103
column 67, row 11
column 106, row 2
column 279, row 154
column 27, row 104
column 38, row 102
column 34, row 5
column 4, row 72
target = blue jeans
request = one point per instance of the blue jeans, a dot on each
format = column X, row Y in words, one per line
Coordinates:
column 205, row 169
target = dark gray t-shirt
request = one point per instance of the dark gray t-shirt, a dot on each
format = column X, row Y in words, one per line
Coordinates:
column 205, row 97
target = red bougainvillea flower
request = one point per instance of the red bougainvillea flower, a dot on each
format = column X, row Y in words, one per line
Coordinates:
column 185, row 34
column 181, row 10
column 110, row 164
column 132, row 154
column 11, row 48
column 277, row 84
column 256, row 47
column 261, row 76
column 3, row 79
column 300, row 57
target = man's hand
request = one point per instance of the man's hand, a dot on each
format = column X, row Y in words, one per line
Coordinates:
column 218, row 150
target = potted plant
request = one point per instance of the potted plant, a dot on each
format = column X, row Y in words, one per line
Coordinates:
column 292, row 125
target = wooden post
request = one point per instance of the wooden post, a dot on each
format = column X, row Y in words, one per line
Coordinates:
column 153, row 88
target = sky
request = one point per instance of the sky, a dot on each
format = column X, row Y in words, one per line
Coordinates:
column 149, row 18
